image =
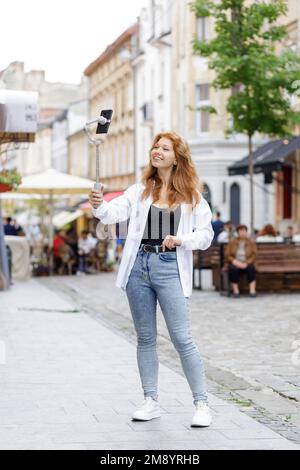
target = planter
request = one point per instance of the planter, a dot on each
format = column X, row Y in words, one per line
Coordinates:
column 4, row 188
column 9, row 180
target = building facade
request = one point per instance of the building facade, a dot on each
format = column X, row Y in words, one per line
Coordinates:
column 287, row 181
column 205, row 133
column 154, row 81
column 50, row 147
column 110, row 86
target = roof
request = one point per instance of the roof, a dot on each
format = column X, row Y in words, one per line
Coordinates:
column 110, row 50
column 268, row 157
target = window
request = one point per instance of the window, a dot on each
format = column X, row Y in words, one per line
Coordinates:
column 207, row 194
column 224, row 192
column 123, row 100
column 202, row 116
column 182, row 110
column 202, row 28
column 162, row 79
column 153, row 17
column 235, row 203
column 130, row 95
column 287, row 192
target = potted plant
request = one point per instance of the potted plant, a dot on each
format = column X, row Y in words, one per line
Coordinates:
column 9, row 180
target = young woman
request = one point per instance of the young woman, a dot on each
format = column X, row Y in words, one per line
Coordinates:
column 168, row 219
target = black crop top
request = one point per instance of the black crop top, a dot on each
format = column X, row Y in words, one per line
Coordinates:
column 160, row 223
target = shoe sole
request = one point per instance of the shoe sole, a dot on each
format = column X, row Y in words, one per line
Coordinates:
column 153, row 416
column 200, row 425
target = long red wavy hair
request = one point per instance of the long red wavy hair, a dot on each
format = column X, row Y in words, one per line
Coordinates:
column 184, row 185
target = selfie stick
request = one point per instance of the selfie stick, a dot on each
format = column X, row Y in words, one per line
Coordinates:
column 102, row 121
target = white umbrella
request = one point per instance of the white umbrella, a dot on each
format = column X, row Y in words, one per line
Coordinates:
column 53, row 182
column 13, row 196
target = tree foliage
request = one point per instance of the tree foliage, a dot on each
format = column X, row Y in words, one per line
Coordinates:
column 248, row 55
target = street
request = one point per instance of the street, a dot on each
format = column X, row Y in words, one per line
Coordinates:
column 70, row 379
column 248, row 344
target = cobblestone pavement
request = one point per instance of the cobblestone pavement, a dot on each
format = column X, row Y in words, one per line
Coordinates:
column 249, row 345
column 68, row 381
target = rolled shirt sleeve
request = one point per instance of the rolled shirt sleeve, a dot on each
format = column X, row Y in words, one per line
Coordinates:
column 116, row 210
column 202, row 235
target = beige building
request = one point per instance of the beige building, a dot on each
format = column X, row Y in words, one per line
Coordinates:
column 171, row 82
column 110, row 86
column 212, row 152
column 288, row 179
column 78, row 147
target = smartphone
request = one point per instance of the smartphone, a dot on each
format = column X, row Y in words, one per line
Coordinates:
column 103, row 128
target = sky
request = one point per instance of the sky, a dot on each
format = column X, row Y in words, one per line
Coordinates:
column 62, row 37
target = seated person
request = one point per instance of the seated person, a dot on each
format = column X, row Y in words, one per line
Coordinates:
column 100, row 253
column 241, row 256
column 67, row 257
column 59, row 240
column 226, row 234
column 268, row 235
column 86, row 244
column 296, row 238
column 288, row 238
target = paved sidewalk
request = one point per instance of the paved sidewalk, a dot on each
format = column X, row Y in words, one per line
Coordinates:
column 69, row 382
column 250, row 346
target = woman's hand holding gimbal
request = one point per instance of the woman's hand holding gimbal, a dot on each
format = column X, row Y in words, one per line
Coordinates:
column 95, row 198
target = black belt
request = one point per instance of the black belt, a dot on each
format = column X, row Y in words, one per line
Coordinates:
column 155, row 248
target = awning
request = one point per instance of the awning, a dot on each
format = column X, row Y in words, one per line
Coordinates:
column 65, row 217
column 267, row 158
column 107, row 197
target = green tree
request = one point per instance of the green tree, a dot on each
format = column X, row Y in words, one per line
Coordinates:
column 248, row 58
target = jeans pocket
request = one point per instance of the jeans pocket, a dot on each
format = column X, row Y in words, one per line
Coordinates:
column 168, row 256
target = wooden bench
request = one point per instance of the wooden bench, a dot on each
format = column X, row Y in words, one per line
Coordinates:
column 204, row 259
column 277, row 269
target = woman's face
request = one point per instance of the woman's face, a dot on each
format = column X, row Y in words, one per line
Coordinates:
column 162, row 153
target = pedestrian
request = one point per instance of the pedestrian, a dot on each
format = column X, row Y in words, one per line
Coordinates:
column 19, row 229
column 169, row 218
column 217, row 226
column 9, row 228
column 241, row 258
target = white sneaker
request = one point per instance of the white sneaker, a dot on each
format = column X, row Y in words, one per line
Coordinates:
column 202, row 416
column 149, row 409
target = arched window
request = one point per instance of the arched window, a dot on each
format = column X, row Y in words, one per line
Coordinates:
column 207, row 194
column 235, row 203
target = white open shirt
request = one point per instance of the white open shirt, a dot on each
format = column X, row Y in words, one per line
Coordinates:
column 194, row 230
